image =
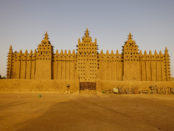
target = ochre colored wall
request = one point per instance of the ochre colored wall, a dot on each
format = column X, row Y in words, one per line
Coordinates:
column 60, row 86
column 110, row 66
column 87, row 63
column 43, row 69
column 131, row 70
column 56, row 86
column 64, row 65
column 108, row 85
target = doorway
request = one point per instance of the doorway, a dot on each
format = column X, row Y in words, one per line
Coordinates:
column 88, row 85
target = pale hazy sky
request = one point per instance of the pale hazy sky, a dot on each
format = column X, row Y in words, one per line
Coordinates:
column 24, row 22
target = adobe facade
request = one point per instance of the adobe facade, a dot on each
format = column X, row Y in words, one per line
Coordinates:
column 87, row 64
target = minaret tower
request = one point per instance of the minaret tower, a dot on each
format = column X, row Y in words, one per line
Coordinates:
column 87, row 63
column 44, row 59
column 131, row 60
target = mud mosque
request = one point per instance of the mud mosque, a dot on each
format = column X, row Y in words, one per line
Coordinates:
column 87, row 64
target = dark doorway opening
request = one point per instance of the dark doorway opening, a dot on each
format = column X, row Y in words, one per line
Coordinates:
column 87, row 85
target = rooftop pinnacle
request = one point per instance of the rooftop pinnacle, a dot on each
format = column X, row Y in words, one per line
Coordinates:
column 46, row 36
column 10, row 47
column 87, row 33
column 130, row 36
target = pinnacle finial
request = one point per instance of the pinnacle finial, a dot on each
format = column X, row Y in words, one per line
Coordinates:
column 140, row 52
column 150, row 52
column 46, row 36
column 20, row 52
column 74, row 52
column 69, row 52
column 117, row 52
column 57, row 52
column 26, row 52
column 155, row 53
column 10, row 47
column 79, row 40
column 130, row 36
column 145, row 52
column 166, row 50
column 101, row 52
column 95, row 40
column 31, row 52
column 86, row 32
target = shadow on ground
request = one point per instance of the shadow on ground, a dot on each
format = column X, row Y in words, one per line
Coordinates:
column 104, row 114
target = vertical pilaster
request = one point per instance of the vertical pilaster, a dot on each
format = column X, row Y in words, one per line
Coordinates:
column 9, row 63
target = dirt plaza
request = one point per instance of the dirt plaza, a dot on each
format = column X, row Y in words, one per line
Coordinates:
column 52, row 111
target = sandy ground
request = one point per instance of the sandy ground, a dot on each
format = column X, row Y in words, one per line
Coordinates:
column 86, row 113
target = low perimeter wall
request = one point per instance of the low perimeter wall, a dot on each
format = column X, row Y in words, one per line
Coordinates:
column 14, row 85
column 135, row 87
column 66, row 87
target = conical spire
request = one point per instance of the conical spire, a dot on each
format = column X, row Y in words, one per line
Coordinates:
column 101, row 52
column 31, row 52
column 65, row 52
column 79, row 40
column 35, row 52
column 86, row 32
column 166, row 50
column 95, row 40
column 10, row 49
column 141, row 52
column 130, row 36
column 155, row 53
column 46, row 36
column 57, row 52
column 61, row 52
column 117, row 52
column 26, row 52
column 145, row 52
column 74, row 52
column 107, row 52
column 20, row 53
column 69, row 52
column 150, row 52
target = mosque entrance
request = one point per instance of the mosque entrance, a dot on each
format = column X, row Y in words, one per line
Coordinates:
column 88, row 85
